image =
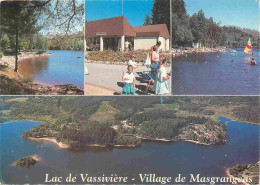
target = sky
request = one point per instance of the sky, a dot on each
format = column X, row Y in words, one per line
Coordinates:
column 134, row 10
column 241, row 13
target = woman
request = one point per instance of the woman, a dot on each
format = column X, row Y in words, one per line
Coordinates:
column 160, row 86
column 129, row 80
column 155, row 59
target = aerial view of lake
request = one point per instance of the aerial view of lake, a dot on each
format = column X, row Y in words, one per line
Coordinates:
column 165, row 159
column 59, row 68
column 216, row 74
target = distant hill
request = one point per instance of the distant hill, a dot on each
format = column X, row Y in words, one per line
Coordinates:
column 238, row 37
column 255, row 33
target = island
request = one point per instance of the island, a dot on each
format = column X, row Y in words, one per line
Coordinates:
column 27, row 161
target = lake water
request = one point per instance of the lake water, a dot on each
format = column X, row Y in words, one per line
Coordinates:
column 166, row 159
column 59, row 68
column 215, row 74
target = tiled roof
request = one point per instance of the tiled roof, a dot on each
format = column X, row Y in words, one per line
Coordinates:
column 157, row 28
column 118, row 26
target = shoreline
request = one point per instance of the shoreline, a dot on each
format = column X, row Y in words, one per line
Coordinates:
column 232, row 118
column 231, row 176
column 190, row 50
column 53, row 140
column 196, row 142
column 66, row 146
column 10, row 60
column 34, row 88
column 179, row 140
column 151, row 139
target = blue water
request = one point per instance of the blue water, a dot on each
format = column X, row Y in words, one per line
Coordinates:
column 59, row 68
column 216, row 74
column 166, row 159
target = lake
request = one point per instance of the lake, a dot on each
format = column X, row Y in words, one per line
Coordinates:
column 215, row 74
column 166, row 159
column 59, row 68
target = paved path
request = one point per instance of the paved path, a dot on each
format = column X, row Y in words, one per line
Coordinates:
column 110, row 77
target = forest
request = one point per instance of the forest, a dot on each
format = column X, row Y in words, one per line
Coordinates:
column 38, row 41
column 70, row 119
column 197, row 28
column 35, row 25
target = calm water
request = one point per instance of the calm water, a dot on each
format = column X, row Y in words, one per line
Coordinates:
column 216, row 74
column 59, row 68
column 153, row 157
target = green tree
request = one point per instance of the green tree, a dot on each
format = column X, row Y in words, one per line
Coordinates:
column 18, row 19
column 148, row 20
column 161, row 13
column 182, row 34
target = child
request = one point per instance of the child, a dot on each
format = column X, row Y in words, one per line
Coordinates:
column 160, row 86
column 132, row 62
column 129, row 80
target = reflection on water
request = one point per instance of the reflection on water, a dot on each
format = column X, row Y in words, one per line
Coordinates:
column 59, row 68
column 163, row 159
column 33, row 66
column 215, row 74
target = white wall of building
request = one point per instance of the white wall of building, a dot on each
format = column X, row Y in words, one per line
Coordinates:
column 144, row 42
column 147, row 42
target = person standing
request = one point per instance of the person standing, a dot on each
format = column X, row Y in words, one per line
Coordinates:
column 160, row 86
column 155, row 59
column 127, row 46
column 129, row 80
column 158, row 44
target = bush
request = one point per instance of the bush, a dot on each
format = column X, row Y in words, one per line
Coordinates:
column 112, row 56
column 27, row 80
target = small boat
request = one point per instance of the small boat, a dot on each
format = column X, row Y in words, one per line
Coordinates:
column 249, row 50
column 78, row 57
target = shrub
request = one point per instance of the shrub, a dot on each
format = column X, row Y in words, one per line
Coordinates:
column 27, row 80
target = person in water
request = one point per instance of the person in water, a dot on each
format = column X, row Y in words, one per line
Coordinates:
column 253, row 62
column 129, row 80
column 160, row 86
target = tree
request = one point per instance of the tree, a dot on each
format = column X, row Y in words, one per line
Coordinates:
column 62, row 17
column 161, row 13
column 5, row 41
column 178, row 7
column 20, row 19
column 17, row 19
column 148, row 20
column 182, row 34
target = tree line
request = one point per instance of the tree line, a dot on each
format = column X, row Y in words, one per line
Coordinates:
column 187, row 30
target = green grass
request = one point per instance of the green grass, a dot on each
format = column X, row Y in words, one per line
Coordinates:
column 105, row 113
column 172, row 106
